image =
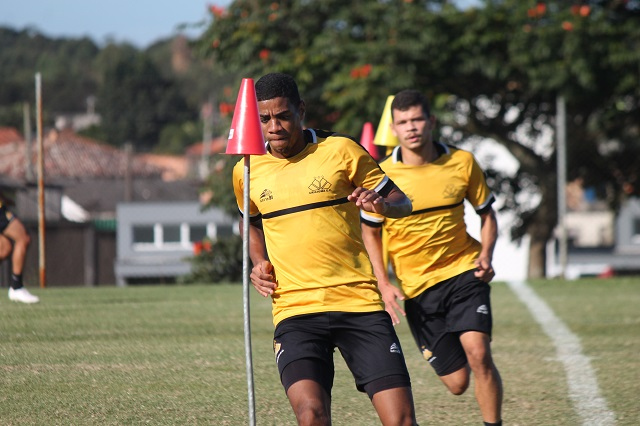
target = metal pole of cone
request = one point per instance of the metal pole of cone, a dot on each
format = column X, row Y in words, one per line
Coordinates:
column 245, row 294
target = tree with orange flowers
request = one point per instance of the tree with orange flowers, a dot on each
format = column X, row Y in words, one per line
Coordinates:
column 492, row 71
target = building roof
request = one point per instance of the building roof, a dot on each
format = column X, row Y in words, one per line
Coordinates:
column 216, row 146
column 174, row 167
column 94, row 175
column 68, row 155
column 9, row 135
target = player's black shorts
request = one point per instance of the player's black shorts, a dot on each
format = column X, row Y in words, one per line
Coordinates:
column 5, row 218
column 367, row 341
column 441, row 313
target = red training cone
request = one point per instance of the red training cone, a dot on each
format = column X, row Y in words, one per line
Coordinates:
column 366, row 140
column 245, row 135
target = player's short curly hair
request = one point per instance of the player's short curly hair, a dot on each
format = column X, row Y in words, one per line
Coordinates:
column 406, row 99
column 277, row 85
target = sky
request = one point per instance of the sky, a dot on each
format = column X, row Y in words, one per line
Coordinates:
column 139, row 22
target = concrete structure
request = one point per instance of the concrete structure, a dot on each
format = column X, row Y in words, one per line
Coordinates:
column 600, row 243
column 155, row 239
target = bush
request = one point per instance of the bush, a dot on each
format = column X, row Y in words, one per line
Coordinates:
column 216, row 261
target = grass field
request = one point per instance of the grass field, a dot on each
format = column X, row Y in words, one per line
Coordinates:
column 174, row 355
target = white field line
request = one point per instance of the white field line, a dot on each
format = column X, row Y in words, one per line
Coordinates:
column 583, row 385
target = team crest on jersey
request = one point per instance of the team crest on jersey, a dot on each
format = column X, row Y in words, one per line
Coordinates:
column 266, row 195
column 319, row 184
column 449, row 191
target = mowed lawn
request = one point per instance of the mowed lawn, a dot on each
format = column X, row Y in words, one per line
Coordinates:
column 174, row 355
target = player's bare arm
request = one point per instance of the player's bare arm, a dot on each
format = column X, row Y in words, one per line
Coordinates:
column 372, row 239
column 262, row 274
column 395, row 205
column 488, row 237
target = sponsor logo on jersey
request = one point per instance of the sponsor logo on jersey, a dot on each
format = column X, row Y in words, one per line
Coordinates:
column 319, row 184
column 450, row 191
column 394, row 349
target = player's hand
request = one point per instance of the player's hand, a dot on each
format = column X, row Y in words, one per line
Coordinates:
column 484, row 270
column 368, row 200
column 390, row 296
column 263, row 278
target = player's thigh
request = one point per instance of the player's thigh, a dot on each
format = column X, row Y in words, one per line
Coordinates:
column 370, row 346
column 470, row 306
column 428, row 322
column 303, row 350
column 5, row 247
column 16, row 230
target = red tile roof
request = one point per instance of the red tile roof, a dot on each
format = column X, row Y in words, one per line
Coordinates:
column 8, row 135
column 68, row 155
column 218, row 145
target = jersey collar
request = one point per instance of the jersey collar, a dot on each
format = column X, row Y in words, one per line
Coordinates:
column 396, row 155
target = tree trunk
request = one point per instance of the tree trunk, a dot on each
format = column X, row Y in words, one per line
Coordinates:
column 537, row 256
column 543, row 222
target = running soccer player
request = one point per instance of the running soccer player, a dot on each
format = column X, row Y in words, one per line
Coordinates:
column 308, row 255
column 443, row 272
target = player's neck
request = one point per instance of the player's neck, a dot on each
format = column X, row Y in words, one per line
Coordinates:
column 426, row 154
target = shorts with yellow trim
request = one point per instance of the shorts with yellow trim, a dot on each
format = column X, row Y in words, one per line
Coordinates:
column 441, row 313
column 367, row 342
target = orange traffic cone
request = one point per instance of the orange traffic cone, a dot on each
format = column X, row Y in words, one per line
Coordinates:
column 245, row 135
column 384, row 135
column 366, row 140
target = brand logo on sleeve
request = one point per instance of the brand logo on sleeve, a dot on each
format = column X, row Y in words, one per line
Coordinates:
column 266, row 195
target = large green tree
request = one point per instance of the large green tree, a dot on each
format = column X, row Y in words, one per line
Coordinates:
column 151, row 97
column 493, row 71
column 135, row 100
column 514, row 60
column 65, row 68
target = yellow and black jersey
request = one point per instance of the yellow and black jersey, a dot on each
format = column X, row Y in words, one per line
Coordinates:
column 312, row 231
column 432, row 244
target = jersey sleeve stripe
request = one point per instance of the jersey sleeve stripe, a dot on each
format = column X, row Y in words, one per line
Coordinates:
column 252, row 218
column 484, row 207
column 385, row 187
column 365, row 216
column 305, row 207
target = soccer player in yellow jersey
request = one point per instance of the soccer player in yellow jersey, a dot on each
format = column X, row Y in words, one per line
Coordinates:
column 442, row 271
column 308, row 255
column 14, row 242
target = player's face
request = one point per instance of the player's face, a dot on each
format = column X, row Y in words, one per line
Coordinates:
column 412, row 127
column 282, row 126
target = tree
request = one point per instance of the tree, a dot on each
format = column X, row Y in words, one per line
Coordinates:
column 492, row 72
column 134, row 99
column 514, row 60
column 65, row 67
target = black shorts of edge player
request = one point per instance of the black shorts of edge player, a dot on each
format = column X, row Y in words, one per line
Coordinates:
column 441, row 313
column 5, row 218
column 304, row 346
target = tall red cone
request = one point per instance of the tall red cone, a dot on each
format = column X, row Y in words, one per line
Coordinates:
column 366, row 140
column 245, row 135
